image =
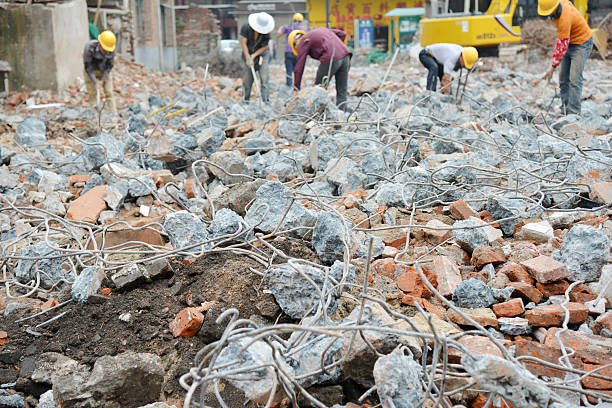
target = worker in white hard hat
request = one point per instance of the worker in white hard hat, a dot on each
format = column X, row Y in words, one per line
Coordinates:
column 98, row 62
column 254, row 38
column 442, row 59
column 290, row 58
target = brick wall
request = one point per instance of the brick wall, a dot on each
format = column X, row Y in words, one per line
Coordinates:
column 197, row 34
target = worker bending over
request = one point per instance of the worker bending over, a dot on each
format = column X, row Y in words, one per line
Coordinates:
column 254, row 39
column 573, row 47
column 327, row 46
column 290, row 57
column 442, row 59
column 98, row 61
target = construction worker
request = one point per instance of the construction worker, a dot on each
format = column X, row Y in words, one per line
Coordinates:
column 573, row 47
column 327, row 46
column 98, row 61
column 442, row 59
column 254, row 39
column 290, row 58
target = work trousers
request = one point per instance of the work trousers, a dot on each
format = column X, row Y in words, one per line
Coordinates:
column 434, row 69
column 290, row 60
column 108, row 89
column 264, row 75
column 570, row 75
column 339, row 70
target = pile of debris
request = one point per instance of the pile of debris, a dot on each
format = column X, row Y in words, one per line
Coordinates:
column 414, row 250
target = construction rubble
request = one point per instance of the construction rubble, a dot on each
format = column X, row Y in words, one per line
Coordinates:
column 419, row 249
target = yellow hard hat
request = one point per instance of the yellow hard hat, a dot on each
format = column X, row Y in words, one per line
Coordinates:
column 547, row 7
column 298, row 17
column 107, row 40
column 292, row 38
column 470, row 56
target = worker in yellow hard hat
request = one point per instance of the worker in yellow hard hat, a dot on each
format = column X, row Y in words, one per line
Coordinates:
column 290, row 58
column 442, row 59
column 98, row 61
column 572, row 49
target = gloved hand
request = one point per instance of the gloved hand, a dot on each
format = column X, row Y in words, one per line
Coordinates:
column 249, row 61
column 547, row 76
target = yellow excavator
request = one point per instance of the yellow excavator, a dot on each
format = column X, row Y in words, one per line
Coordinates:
column 489, row 29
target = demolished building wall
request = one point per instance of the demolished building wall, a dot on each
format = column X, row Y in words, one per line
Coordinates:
column 197, row 35
column 44, row 43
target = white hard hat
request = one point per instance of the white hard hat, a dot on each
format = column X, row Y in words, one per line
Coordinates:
column 262, row 22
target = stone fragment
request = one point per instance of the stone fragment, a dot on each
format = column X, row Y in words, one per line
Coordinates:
column 345, row 175
column 604, row 284
column 545, row 269
column 159, row 268
column 538, row 231
column 398, row 380
column 447, row 274
column 504, row 207
column 510, row 308
column 31, row 132
column 48, row 263
column 601, row 192
column 210, row 140
column 187, row 323
column 46, row 400
column 513, row 382
column 526, row 292
column 514, row 326
column 142, row 186
column 473, row 293
column 88, row 206
column 438, row 234
column 483, row 255
column 472, row 233
column 481, row 315
column 237, row 197
column 553, row 315
column 585, row 251
column 102, row 149
column 460, row 210
column 185, row 229
column 602, row 326
column 331, row 237
column 227, row 222
column 115, row 194
column 292, row 130
column 128, row 277
column 270, row 208
column 564, row 219
column 87, row 283
column 11, row 399
column 228, row 166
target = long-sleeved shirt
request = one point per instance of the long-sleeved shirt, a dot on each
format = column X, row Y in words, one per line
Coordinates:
column 446, row 54
column 287, row 30
column 94, row 59
column 572, row 28
column 323, row 44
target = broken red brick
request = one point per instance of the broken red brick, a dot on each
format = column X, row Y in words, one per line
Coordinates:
column 79, row 178
column 49, row 304
column 553, row 315
column 475, row 345
column 516, row 273
column 545, row 353
column 3, row 337
column 88, row 206
column 602, row 322
column 436, row 236
column 582, row 293
column 589, row 347
column 597, row 383
column 511, row 308
column 105, row 291
column 460, row 210
column 483, row 255
column 411, row 300
column 187, row 323
column 482, row 315
column 553, row 288
column 411, row 283
column 526, row 292
column 389, row 268
column 447, row 274
column 545, row 269
column 190, row 187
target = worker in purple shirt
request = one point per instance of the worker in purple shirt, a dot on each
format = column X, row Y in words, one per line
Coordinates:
column 327, row 46
column 290, row 58
column 98, row 62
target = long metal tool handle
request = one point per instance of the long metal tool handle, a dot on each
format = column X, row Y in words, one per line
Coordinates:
column 389, row 68
column 257, row 87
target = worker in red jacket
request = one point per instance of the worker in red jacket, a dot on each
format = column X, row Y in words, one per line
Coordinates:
column 573, row 47
column 327, row 46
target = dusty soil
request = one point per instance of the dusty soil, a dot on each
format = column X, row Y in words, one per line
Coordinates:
column 92, row 330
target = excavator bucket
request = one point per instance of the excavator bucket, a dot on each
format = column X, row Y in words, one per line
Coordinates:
column 600, row 39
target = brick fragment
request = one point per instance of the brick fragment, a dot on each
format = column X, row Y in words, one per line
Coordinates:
column 447, row 274
column 79, row 178
column 582, row 293
column 545, row 353
column 516, row 273
column 483, row 255
column 187, row 323
column 526, row 292
column 511, row 308
column 411, row 300
column 88, row 206
column 3, row 337
column 411, row 283
column 603, row 322
column 552, row 288
column 190, row 188
column 460, row 210
column 546, row 269
column 589, row 347
column 482, row 315
column 475, row 345
column 597, row 383
column 553, row 315
column 395, row 237
column 49, row 304
column 436, row 236
column 602, row 192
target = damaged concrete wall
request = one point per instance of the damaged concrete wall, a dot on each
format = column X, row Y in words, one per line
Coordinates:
column 44, row 43
column 197, row 35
